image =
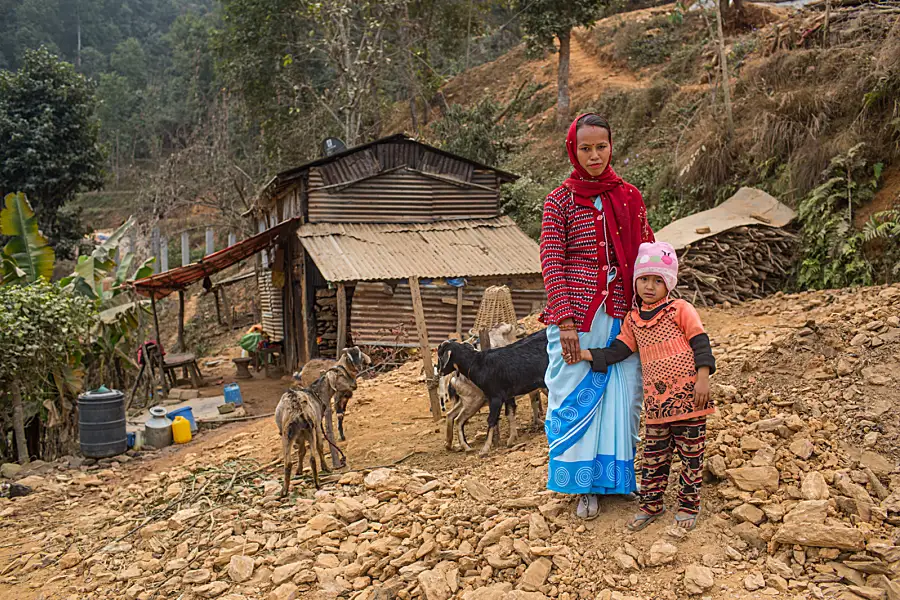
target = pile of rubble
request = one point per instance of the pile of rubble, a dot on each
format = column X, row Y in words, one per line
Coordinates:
column 802, row 500
column 809, row 462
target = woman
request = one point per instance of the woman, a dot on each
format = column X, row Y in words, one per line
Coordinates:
column 592, row 227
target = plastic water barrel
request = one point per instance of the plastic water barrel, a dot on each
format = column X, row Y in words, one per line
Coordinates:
column 233, row 394
column 181, row 430
column 101, row 423
column 187, row 413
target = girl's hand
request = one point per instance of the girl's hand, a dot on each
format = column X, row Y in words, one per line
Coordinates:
column 568, row 338
column 701, row 390
column 586, row 355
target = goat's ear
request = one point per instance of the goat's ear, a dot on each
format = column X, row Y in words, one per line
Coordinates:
column 331, row 378
column 365, row 358
column 443, row 359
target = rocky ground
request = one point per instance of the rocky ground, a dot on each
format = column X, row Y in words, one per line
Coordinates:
column 802, row 498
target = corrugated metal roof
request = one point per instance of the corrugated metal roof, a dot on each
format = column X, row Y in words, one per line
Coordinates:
column 387, row 155
column 163, row 284
column 346, row 252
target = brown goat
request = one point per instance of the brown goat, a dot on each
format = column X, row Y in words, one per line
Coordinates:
column 299, row 418
column 352, row 360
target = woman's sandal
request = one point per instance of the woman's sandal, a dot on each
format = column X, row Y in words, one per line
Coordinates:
column 689, row 518
column 642, row 520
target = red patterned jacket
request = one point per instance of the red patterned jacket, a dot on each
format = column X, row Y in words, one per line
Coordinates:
column 574, row 258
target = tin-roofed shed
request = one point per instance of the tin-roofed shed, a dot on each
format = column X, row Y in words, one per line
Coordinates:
column 372, row 217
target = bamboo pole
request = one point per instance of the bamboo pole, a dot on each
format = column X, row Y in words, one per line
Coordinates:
column 723, row 63
column 422, row 330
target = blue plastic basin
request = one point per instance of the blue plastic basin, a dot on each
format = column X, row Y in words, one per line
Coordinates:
column 187, row 413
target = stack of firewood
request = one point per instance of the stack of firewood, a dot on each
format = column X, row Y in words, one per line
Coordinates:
column 736, row 265
column 326, row 321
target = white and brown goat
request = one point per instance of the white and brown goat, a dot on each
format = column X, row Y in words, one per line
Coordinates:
column 468, row 399
column 352, row 361
column 299, row 418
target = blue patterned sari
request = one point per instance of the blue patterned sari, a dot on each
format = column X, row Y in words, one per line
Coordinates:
column 593, row 419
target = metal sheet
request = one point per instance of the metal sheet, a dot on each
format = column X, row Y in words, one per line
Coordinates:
column 163, row 284
column 350, row 168
column 271, row 306
column 402, row 196
column 379, row 318
column 389, row 152
column 380, row 252
column 739, row 210
column 433, row 162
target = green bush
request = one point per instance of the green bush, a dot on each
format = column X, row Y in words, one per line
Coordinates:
column 479, row 132
column 832, row 253
column 523, row 200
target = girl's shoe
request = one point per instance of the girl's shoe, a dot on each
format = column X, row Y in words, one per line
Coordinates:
column 642, row 520
column 686, row 521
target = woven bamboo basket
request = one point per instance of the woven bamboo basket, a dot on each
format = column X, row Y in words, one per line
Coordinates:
column 496, row 308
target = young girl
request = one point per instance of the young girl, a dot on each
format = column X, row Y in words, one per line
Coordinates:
column 677, row 361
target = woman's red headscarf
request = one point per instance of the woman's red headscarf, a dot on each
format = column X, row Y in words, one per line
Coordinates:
column 622, row 206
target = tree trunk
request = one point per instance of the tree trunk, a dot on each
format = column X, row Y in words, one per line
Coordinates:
column 18, row 410
column 562, row 97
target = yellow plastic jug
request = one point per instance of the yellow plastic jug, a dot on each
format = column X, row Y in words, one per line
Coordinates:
column 181, row 430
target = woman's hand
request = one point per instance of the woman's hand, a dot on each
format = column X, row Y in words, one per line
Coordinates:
column 568, row 338
column 701, row 390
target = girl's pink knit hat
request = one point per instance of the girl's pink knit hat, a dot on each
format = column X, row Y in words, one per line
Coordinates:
column 658, row 258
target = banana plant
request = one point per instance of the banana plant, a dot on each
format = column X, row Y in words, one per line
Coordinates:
column 98, row 278
column 27, row 256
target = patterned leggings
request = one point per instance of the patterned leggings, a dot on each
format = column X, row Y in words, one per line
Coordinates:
column 688, row 438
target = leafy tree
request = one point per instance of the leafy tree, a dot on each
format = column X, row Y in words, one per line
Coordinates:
column 479, row 132
column 42, row 329
column 50, row 151
column 130, row 61
column 547, row 20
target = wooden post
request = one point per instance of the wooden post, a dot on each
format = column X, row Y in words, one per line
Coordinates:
column 181, row 320
column 215, row 293
column 723, row 63
column 226, row 306
column 232, row 239
column 18, row 418
column 306, row 351
column 484, row 338
column 459, row 311
column 425, row 347
column 185, row 248
column 342, row 318
column 210, row 241
column 162, row 370
column 163, row 254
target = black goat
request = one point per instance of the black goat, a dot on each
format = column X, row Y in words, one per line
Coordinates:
column 501, row 373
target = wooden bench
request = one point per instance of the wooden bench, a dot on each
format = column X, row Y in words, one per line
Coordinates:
column 188, row 364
